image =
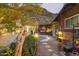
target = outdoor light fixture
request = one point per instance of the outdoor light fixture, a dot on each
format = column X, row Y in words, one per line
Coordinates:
column 36, row 35
column 60, row 34
column 77, row 41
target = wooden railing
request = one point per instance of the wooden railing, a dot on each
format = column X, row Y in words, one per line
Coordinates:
column 19, row 44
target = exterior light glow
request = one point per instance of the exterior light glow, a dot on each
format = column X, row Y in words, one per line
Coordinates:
column 77, row 41
column 60, row 34
column 27, row 28
column 36, row 35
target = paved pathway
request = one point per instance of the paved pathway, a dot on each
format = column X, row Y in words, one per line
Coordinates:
column 48, row 46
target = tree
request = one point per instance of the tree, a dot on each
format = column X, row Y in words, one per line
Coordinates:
column 10, row 13
column 37, row 9
column 8, row 16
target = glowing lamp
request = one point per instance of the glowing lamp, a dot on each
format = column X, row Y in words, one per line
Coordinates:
column 77, row 41
column 36, row 35
column 60, row 33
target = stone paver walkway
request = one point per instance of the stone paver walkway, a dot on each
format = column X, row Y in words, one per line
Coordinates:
column 48, row 46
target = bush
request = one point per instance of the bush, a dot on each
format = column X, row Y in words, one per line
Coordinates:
column 8, row 51
column 29, row 46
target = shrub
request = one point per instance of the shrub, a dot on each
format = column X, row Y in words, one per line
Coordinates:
column 8, row 50
column 29, row 46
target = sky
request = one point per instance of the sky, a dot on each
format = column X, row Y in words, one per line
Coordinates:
column 53, row 7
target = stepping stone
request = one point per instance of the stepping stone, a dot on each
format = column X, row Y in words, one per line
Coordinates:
column 50, row 50
column 48, row 46
column 44, row 43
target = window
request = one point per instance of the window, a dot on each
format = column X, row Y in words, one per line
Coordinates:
column 69, row 22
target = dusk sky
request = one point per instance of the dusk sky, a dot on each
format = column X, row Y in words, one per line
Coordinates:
column 53, row 7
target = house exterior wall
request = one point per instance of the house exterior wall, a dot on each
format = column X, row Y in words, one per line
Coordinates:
column 68, row 11
column 45, row 29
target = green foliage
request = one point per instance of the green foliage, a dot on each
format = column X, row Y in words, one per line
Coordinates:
column 8, row 51
column 37, row 9
column 9, row 17
column 29, row 46
column 10, row 13
column 13, row 47
column 24, row 19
